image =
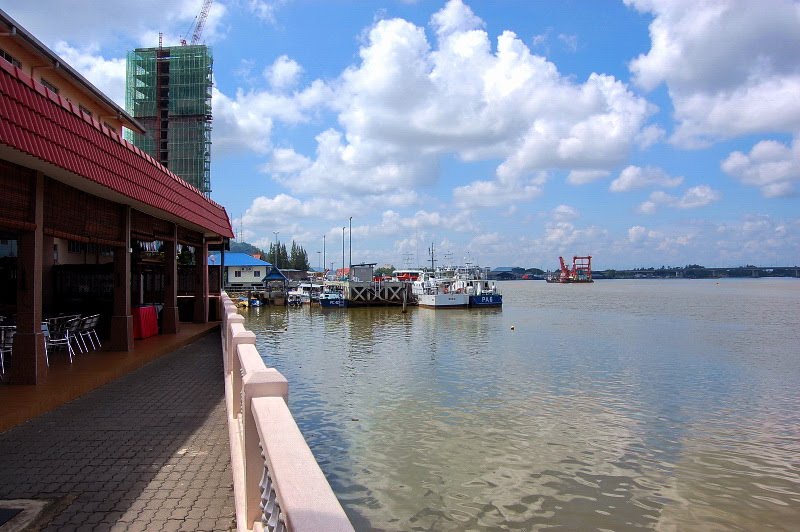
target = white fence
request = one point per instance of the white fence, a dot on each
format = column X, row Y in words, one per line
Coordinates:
column 278, row 484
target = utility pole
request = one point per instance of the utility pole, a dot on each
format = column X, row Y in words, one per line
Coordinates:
column 351, row 242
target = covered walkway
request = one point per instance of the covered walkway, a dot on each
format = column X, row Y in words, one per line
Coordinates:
column 148, row 451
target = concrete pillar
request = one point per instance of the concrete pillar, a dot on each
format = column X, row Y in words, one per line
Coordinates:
column 201, row 283
column 169, row 316
column 29, row 365
column 122, row 320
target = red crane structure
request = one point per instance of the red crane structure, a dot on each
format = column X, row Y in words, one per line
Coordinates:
column 581, row 271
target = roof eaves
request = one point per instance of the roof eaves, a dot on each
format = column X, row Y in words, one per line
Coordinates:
column 59, row 63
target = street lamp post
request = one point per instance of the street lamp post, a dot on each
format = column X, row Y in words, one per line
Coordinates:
column 351, row 242
column 275, row 255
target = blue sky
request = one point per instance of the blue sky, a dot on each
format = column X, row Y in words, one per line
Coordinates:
column 643, row 132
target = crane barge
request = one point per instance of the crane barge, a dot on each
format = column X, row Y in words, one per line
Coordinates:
column 581, row 271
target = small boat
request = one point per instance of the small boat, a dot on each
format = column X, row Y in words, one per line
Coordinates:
column 437, row 293
column 332, row 300
column 298, row 297
column 480, row 292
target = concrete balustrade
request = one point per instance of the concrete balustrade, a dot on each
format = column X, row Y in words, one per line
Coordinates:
column 277, row 482
column 237, row 335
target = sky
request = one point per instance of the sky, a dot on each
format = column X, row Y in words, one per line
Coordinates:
column 503, row 133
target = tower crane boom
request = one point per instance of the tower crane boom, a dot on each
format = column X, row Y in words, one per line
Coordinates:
column 201, row 21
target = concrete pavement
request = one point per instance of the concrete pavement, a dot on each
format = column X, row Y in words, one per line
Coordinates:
column 146, row 452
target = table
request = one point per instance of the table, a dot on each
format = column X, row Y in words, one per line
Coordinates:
column 145, row 321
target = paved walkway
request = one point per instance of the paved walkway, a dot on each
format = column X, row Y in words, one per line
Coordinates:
column 146, row 452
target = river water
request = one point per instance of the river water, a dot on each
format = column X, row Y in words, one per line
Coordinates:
column 666, row 404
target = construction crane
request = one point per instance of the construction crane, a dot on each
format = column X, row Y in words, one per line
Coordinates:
column 201, row 22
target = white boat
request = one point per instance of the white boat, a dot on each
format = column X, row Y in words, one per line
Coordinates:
column 438, row 293
column 298, row 297
column 481, row 292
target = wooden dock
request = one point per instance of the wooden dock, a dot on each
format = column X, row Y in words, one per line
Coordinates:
column 374, row 294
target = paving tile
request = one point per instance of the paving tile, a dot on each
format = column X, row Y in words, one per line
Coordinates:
column 136, row 454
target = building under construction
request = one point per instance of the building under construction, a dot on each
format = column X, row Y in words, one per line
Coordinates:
column 168, row 91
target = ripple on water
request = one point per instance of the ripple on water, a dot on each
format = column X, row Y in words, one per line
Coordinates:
column 617, row 405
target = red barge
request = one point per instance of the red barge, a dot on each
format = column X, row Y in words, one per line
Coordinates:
column 581, row 271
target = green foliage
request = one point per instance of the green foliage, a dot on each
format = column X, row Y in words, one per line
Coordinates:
column 244, row 247
column 384, row 270
column 297, row 259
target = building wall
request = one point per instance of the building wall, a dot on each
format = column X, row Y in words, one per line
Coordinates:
column 245, row 275
column 34, row 66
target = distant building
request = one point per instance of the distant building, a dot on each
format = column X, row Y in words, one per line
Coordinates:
column 363, row 272
column 168, row 90
column 503, row 274
column 241, row 270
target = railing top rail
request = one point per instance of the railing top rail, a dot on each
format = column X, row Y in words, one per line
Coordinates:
column 306, row 499
column 250, row 359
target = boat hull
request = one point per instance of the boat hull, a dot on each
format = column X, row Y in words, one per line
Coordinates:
column 493, row 300
column 332, row 303
column 443, row 301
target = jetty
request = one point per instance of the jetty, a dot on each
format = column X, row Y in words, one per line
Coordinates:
column 374, row 293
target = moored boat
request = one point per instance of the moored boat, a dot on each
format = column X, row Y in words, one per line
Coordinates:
column 332, row 300
column 481, row 293
column 436, row 293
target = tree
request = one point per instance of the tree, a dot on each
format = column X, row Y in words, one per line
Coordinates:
column 277, row 256
column 298, row 260
column 384, row 270
column 244, row 247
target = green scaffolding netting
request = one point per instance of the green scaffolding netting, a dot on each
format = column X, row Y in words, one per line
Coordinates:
column 168, row 91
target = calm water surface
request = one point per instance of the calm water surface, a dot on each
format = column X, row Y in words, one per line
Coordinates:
column 617, row 405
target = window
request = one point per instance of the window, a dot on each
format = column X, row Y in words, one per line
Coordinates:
column 256, row 273
column 237, row 273
column 109, row 126
column 84, row 110
column 49, row 85
column 74, row 247
column 10, row 58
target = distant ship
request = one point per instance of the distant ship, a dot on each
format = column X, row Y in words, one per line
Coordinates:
column 581, row 271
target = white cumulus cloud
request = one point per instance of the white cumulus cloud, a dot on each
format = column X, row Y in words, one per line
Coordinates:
column 636, row 177
column 694, row 197
column 772, row 166
column 283, row 73
column 731, row 66
column 409, row 102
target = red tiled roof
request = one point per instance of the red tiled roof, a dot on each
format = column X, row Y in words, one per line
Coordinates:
column 35, row 121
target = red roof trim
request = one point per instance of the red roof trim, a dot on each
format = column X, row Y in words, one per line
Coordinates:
column 42, row 124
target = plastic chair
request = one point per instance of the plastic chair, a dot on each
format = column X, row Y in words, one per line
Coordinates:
column 6, row 344
column 57, row 339
column 87, row 330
